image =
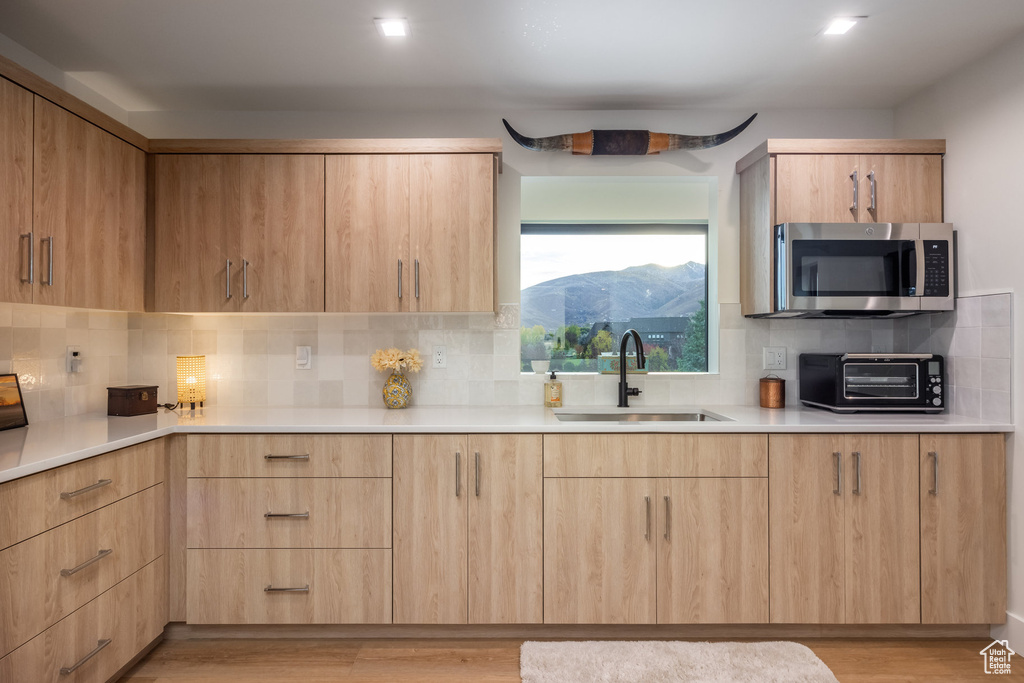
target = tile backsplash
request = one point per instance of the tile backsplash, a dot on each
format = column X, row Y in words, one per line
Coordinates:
column 251, row 358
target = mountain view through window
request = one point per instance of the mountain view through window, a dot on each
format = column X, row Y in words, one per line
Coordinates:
column 582, row 287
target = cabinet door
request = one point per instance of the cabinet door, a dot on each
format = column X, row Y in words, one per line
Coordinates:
column 713, row 551
column 908, row 188
column 806, row 522
column 816, row 188
column 599, row 551
column 506, row 559
column 882, row 536
column 963, row 529
column 90, row 206
column 452, row 232
column 198, row 229
column 16, row 179
column 282, row 233
column 368, row 233
column 430, row 529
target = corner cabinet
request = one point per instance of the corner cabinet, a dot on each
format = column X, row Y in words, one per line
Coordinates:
column 830, row 181
column 410, row 232
column 238, row 233
column 468, row 529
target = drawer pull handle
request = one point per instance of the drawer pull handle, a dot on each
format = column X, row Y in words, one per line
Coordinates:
column 92, row 560
column 273, row 515
column 65, row 670
column 270, row 456
column 270, row 589
column 98, row 485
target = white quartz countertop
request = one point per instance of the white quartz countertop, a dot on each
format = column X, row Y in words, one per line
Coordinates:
column 45, row 445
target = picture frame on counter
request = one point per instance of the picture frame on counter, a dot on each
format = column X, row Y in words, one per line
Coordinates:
column 12, row 407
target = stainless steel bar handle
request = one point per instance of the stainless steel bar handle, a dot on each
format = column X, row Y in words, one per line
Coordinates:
column 458, row 473
column 935, row 473
column 276, row 515
column 65, row 495
column 871, row 179
column 647, row 532
column 49, row 265
column 838, row 490
column 65, row 670
column 668, row 519
column 245, row 279
column 417, row 270
column 399, row 278
column 31, row 257
column 856, row 462
column 919, row 264
column 270, row 589
column 227, row 279
column 271, row 456
column 856, row 191
column 99, row 556
column 477, row 458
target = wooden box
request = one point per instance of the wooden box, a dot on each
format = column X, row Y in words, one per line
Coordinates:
column 137, row 399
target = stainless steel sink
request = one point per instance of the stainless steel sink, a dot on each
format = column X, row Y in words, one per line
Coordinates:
column 639, row 416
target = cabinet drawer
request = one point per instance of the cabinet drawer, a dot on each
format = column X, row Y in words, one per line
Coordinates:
column 334, row 586
column 289, row 455
column 656, row 455
column 131, row 615
column 336, row 513
column 34, row 589
column 34, row 504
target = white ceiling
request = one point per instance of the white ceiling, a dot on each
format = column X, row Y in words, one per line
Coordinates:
column 506, row 54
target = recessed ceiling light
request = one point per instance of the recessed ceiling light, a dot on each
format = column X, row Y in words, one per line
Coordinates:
column 841, row 25
column 392, row 28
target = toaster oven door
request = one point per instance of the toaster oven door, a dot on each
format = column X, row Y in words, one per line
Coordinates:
column 881, row 382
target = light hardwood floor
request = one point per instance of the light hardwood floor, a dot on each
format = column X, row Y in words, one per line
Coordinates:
column 497, row 660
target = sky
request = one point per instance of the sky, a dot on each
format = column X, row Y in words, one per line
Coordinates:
column 546, row 257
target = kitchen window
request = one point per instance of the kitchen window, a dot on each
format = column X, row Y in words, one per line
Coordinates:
column 584, row 282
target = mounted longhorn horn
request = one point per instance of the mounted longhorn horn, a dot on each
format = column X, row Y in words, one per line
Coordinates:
column 632, row 142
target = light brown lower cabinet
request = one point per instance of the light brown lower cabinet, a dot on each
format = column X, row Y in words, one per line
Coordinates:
column 97, row 640
column 844, row 529
column 646, row 551
column 963, row 529
column 49, row 576
column 467, row 529
column 282, row 586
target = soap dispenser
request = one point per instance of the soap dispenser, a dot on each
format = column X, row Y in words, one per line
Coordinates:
column 553, row 392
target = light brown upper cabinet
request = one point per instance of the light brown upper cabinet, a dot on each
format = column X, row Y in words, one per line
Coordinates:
column 16, row 262
column 843, row 532
column 89, row 214
column 963, row 529
column 410, row 232
column 831, row 181
column 467, row 529
column 239, row 232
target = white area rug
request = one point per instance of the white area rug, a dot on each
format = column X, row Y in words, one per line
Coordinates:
column 670, row 662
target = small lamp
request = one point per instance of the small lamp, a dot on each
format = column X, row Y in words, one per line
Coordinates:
column 192, row 380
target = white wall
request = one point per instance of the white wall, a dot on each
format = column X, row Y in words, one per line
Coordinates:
column 979, row 110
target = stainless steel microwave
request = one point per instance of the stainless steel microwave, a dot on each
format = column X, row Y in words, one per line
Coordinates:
column 846, row 270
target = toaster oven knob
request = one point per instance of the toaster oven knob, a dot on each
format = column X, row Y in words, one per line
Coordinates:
column 936, row 401
column 936, row 389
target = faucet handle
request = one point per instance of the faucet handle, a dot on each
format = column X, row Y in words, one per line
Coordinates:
column 633, row 391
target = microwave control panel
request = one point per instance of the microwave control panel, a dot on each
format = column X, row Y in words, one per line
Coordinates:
column 936, row 268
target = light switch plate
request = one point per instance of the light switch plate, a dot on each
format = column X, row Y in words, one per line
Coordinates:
column 303, row 358
column 774, row 357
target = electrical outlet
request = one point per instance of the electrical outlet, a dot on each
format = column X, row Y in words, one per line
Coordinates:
column 440, row 357
column 774, row 357
column 303, row 358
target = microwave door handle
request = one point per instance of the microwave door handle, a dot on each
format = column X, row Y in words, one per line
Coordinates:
column 919, row 284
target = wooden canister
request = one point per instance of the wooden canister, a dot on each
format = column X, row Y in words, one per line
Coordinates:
column 773, row 392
